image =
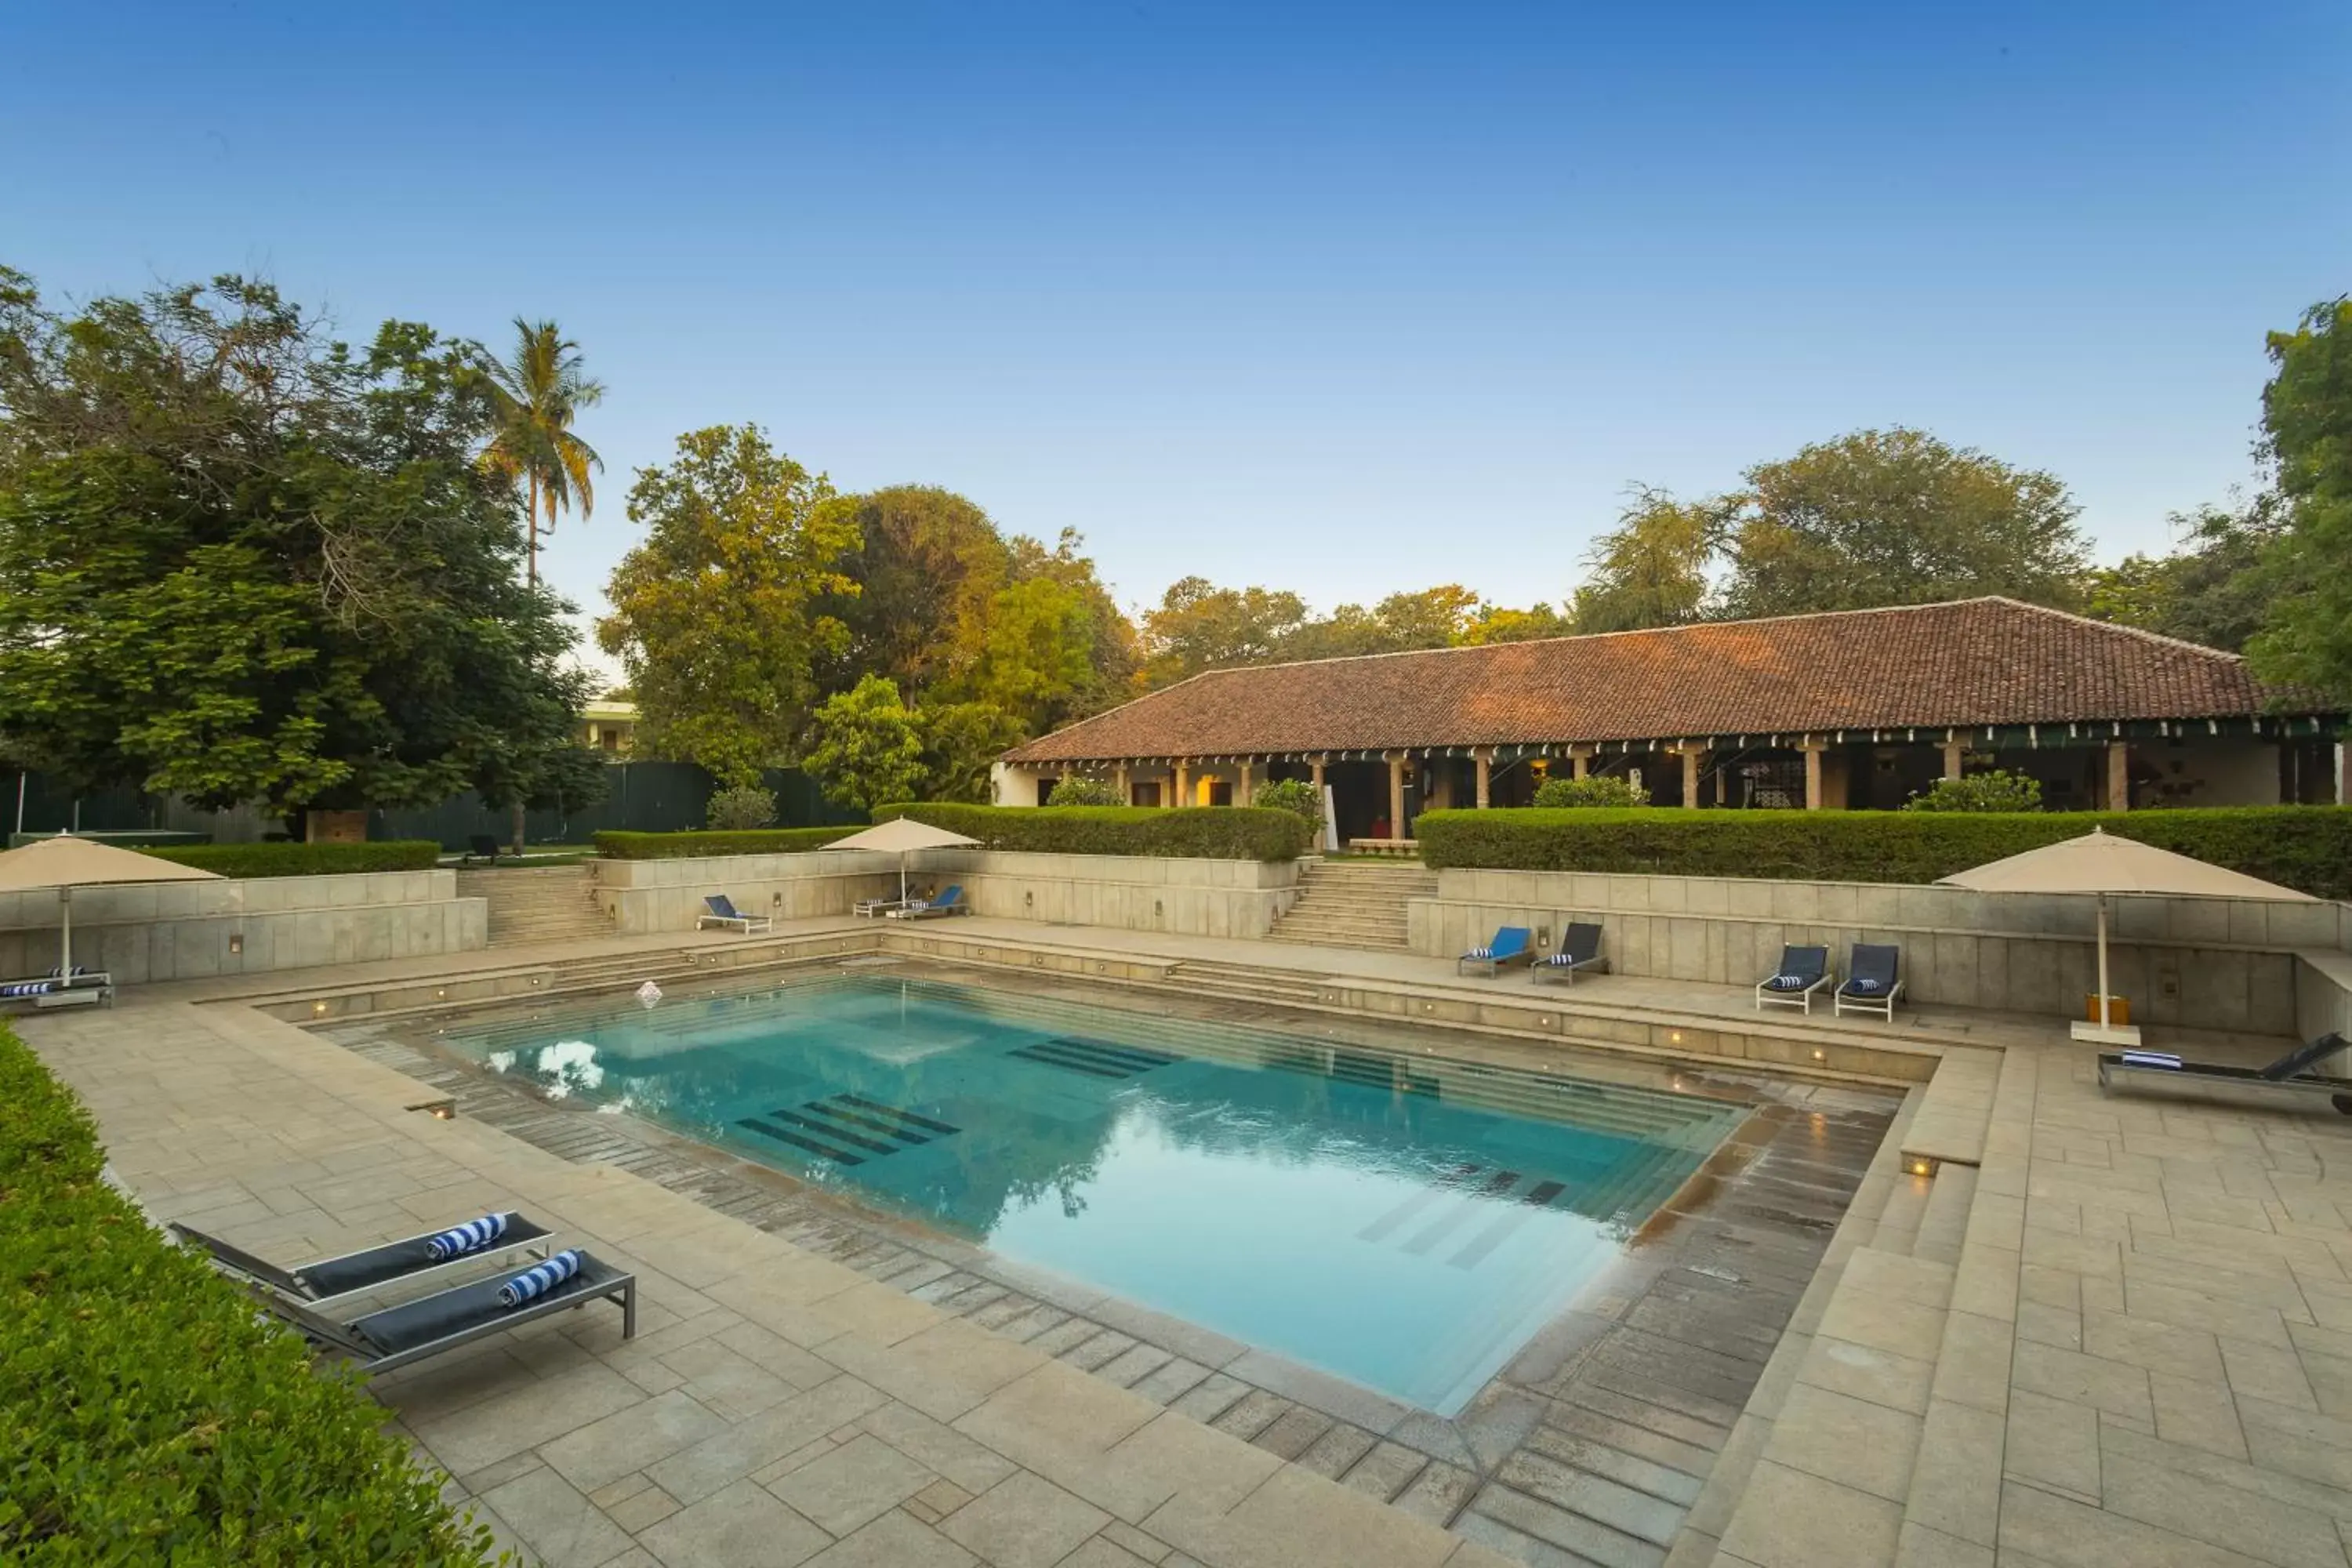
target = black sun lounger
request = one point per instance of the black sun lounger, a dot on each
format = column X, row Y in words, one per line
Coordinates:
column 2287, row 1076
column 1580, row 948
column 393, row 1263
column 425, row 1327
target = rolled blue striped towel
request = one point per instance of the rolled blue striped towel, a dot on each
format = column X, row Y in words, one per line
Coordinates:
column 1482, row 952
column 28, row 988
column 1561, row 958
column 1789, row 983
column 78, row 970
column 471, row 1236
column 2150, row 1059
column 539, row 1281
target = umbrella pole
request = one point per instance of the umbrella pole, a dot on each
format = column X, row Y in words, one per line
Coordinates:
column 2102, row 961
column 902, row 877
column 65, row 931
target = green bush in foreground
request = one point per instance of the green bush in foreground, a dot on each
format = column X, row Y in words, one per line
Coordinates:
column 1211, row 832
column 2307, row 847
column 741, row 808
column 1295, row 795
column 1079, row 789
column 151, row 1414
column 616, row 844
column 305, row 859
column 1996, row 791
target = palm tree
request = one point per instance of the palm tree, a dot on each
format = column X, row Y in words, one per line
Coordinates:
column 537, row 394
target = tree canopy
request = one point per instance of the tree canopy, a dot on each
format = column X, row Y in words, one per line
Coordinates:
column 2308, row 420
column 242, row 562
column 721, row 618
column 2213, row 591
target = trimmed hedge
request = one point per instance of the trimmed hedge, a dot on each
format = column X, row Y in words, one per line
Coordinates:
column 615, row 845
column 305, row 859
column 2307, row 847
column 154, row 1417
column 1209, row 832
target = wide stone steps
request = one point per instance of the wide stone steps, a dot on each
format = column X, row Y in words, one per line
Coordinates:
column 534, row 904
column 1345, row 904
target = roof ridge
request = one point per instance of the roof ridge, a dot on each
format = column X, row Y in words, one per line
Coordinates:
column 2124, row 626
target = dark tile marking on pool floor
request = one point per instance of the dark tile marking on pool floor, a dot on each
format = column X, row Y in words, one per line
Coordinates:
column 768, row 1130
column 1083, row 1046
column 909, row 1117
column 838, row 1113
column 1069, row 1064
column 827, row 1129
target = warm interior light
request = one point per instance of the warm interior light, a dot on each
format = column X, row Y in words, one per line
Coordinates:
column 1821, row 1055
column 318, row 1009
column 1922, row 1166
column 1674, row 1037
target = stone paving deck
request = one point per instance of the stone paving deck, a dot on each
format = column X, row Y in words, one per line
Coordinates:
column 2123, row 1338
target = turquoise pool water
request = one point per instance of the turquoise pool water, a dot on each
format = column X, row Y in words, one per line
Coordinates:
column 1398, row 1222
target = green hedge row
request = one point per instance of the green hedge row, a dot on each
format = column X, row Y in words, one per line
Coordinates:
column 152, row 1416
column 615, row 845
column 305, row 859
column 2308, row 847
column 1211, row 832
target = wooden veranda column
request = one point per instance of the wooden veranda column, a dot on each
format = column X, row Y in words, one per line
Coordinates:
column 1396, row 797
column 1955, row 758
column 1317, row 765
column 1183, row 776
column 1580, row 758
column 1691, row 756
column 1484, row 758
column 1242, row 791
column 1813, row 749
column 1126, row 789
column 2119, row 776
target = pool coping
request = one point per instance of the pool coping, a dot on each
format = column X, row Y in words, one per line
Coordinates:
column 1491, row 1473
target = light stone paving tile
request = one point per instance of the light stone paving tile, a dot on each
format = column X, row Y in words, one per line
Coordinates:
column 895, row 1541
column 2053, row 1444
column 1920, row 1547
column 1847, row 1440
column 944, row 1371
column 717, row 1462
column 2154, row 1344
column 937, row 1447
column 1954, row 1488
column 1024, row 1522
column 1897, row 1382
column 492, row 1429
column 555, row 1522
column 1973, row 1367
column 642, row 1510
column 2059, row 1326
column 2220, row 1516
column 740, row 1523
column 627, row 1441
column 2197, row 1415
column 2084, row 1380
column 2183, row 1309
column 1297, row 1520
column 1788, row 1519
column 857, row 1483
column 1099, row 1553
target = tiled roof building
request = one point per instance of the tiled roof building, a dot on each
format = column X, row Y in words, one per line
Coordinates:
column 1771, row 712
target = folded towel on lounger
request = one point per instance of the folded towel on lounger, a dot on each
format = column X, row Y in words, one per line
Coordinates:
column 535, row 1282
column 470, row 1237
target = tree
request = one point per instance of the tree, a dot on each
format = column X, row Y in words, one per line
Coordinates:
column 961, row 741
column 1200, row 626
column 865, row 746
column 926, row 563
column 1898, row 517
column 1114, row 656
column 1434, row 617
column 1037, row 661
column 536, row 395
column 2307, row 419
column 1493, row 624
column 241, row 562
column 1651, row 569
column 719, row 616
column 2215, row 592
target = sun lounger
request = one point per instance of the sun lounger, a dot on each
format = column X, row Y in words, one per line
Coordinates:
column 867, row 908
column 1873, row 980
column 723, row 913
column 374, row 1268
column 2290, row 1075
column 395, row 1336
column 1802, row 973
column 1509, row 946
column 1580, row 948
column 950, row 902
column 82, row 987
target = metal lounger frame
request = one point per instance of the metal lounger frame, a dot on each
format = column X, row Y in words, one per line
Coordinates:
column 342, row 1337
column 1883, row 1006
column 2337, row 1091
column 284, row 1282
column 1542, row 969
column 1800, row 1000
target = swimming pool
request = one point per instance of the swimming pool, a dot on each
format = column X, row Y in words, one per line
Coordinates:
column 1401, row 1222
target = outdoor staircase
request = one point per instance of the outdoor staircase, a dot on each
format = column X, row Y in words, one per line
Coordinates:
column 1354, row 903
column 550, row 903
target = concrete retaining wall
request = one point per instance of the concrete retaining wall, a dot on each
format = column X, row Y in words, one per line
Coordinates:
column 2201, row 962
column 186, row 931
column 1190, row 897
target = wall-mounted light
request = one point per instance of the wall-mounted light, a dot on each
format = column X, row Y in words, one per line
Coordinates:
column 1820, row 1055
column 236, row 942
column 317, row 1009
column 1920, row 1166
column 1674, row 1037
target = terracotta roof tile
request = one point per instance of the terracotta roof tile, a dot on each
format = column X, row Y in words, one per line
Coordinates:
column 1974, row 662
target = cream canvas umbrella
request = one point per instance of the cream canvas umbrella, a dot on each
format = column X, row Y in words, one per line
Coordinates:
column 902, row 836
column 2101, row 864
column 66, row 862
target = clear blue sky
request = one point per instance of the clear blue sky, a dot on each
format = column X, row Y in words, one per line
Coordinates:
column 1344, row 298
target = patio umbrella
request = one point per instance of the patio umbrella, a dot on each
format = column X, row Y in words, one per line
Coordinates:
column 2100, row 864
column 902, row 836
column 66, row 862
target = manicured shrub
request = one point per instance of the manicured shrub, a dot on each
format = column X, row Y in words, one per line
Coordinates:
column 2307, row 847
column 1594, row 790
column 305, row 859
column 742, row 809
column 1212, row 832
column 1999, row 790
column 1079, row 789
column 153, row 1416
column 615, row 845
column 1291, row 795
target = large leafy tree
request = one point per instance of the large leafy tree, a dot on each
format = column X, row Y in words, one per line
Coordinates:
column 927, row 565
column 1116, row 655
column 1494, row 624
column 536, row 393
column 866, row 746
column 1037, row 663
column 720, row 616
column 239, row 561
column 1651, row 569
column 1898, row 517
column 1199, row 625
column 961, row 741
column 2216, row 590
column 2307, row 418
